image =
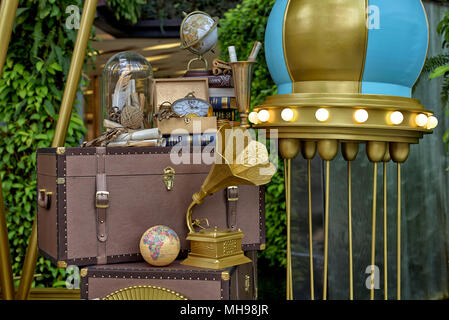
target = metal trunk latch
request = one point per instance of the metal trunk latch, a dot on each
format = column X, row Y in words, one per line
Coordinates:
column 247, row 283
column 169, row 178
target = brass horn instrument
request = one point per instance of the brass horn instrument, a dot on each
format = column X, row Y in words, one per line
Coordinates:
column 239, row 160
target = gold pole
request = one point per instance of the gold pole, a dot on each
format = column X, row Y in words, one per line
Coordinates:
column 327, row 149
column 6, row 279
column 7, row 16
column 373, row 234
column 287, row 177
column 62, row 124
column 399, row 153
column 288, row 149
column 326, row 230
column 349, row 152
column 309, row 178
column 351, row 279
column 385, row 235
column 399, row 235
column 73, row 78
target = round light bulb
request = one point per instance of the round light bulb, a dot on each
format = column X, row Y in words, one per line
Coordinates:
column 322, row 114
column 361, row 115
column 396, row 117
column 287, row 114
column 421, row 120
column 432, row 122
column 263, row 115
column 253, row 118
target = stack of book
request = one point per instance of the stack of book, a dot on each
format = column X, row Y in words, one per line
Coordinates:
column 222, row 97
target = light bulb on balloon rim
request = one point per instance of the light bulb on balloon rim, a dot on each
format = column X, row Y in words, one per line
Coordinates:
column 288, row 115
column 322, row 115
column 253, row 117
column 421, row 120
column 361, row 116
column 396, row 118
column 432, row 122
column 263, row 115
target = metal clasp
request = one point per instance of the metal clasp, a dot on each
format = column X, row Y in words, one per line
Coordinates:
column 247, row 283
column 169, row 178
column 102, row 199
column 232, row 193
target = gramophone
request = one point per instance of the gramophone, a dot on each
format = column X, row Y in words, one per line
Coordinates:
column 239, row 160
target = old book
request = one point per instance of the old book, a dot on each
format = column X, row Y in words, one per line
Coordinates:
column 220, row 81
column 219, row 103
column 202, row 140
column 221, row 92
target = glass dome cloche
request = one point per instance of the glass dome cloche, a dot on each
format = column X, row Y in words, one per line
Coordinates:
column 127, row 78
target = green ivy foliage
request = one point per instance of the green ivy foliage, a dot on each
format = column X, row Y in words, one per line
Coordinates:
column 240, row 28
column 127, row 10
column 439, row 67
column 31, row 90
column 163, row 9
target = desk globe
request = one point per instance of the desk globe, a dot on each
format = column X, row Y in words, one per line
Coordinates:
column 159, row 245
column 199, row 34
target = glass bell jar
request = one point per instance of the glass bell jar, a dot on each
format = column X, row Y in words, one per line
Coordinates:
column 127, row 78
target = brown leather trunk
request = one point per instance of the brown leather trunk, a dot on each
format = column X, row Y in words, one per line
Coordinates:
column 73, row 231
column 235, row 283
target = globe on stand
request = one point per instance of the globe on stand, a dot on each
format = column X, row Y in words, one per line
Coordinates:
column 199, row 34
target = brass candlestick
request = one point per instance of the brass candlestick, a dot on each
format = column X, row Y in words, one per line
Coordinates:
column 242, row 72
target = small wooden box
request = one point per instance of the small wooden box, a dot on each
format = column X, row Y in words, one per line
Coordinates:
column 172, row 89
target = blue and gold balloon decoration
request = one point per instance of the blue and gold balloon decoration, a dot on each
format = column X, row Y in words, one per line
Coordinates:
column 343, row 56
column 345, row 70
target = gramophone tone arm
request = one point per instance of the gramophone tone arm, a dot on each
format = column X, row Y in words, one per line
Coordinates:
column 189, row 217
column 197, row 199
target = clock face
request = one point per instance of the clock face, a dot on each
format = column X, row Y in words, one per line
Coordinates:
column 191, row 106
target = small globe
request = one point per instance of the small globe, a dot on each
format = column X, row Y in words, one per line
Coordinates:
column 159, row 245
column 199, row 32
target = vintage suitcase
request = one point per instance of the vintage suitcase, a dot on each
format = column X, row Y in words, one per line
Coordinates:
column 95, row 203
column 141, row 281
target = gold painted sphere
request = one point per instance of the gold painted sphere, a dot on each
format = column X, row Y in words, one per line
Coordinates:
column 328, row 149
column 308, row 149
column 376, row 150
column 399, row 151
column 349, row 150
column 289, row 148
column 159, row 245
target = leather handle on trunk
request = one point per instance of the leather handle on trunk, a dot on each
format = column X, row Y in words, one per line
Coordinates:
column 44, row 198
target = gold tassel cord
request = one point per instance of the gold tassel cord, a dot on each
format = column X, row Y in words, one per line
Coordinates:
column 326, row 231
column 385, row 235
column 309, row 182
column 351, row 279
column 373, row 234
column 287, row 177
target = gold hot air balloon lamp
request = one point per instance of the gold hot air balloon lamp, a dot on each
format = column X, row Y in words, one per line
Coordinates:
column 239, row 160
column 327, row 109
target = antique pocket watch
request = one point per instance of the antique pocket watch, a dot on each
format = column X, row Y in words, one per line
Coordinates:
column 187, row 107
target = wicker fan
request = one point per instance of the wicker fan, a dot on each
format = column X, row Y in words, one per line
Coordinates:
column 144, row 293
